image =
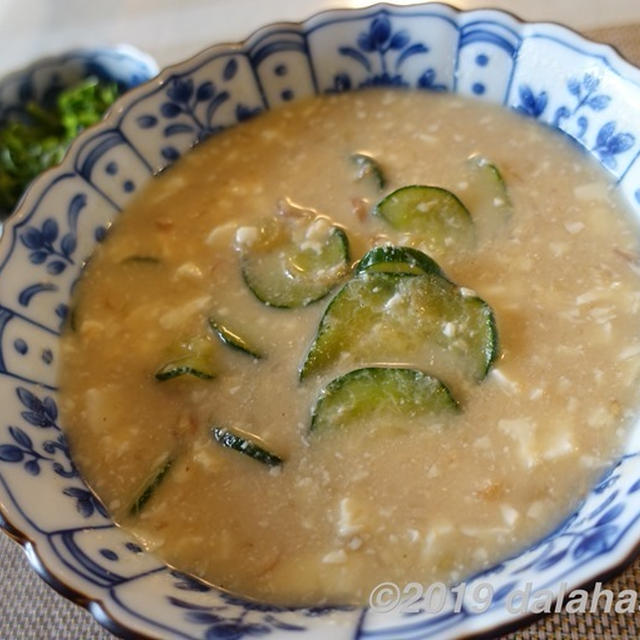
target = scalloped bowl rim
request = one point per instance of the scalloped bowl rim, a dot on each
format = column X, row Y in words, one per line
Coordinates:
column 617, row 557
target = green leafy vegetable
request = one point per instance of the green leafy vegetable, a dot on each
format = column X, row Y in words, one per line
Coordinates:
column 37, row 138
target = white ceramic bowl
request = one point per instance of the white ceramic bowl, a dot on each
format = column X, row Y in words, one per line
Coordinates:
column 543, row 70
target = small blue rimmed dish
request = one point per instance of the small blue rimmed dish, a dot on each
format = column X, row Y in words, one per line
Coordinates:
column 42, row 81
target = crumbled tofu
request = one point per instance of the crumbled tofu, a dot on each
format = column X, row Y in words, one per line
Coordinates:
column 188, row 270
column 538, row 510
column 600, row 417
column 91, row 329
column 423, row 207
column 589, row 296
column 98, row 407
column 558, row 443
column 318, row 230
column 480, row 554
column 509, row 514
column 437, row 530
column 394, row 301
column 355, row 543
column 350, row 517
column 508, row 385
column 522, row 430
column 219, row 233
column 574, row 227
column 311, row 245
column 558, row 248
column 203, row 455
column 176, row 317
column 449, row 329
column 247, row 236
column 413, row 535
column 536, row 394
column 631, row 351
column 335, row 557
column 433, row 472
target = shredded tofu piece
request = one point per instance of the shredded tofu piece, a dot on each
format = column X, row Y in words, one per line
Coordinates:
column 188, row 270
column 247, row 236
column 219, row 233
column 560, row 443
column 335, row 557
column 522, row 430
column 631, row 351
column 574, row 227
column 508, row 385
column 318, row 230
column 176, row 317
column 350, row 518
column 509, row 514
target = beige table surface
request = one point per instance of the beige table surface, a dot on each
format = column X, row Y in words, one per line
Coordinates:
column 30, row 610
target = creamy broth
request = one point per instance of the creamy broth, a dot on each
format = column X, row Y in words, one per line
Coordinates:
column 433, row 499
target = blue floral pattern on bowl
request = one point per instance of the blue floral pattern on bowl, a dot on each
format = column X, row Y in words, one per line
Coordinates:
column 544, row 71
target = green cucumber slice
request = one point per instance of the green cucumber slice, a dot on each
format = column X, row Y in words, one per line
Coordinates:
column 436, row 216
column 245, row 444
column 233, row 339
column 294, row 260
column 398, row 317
column 360, row 395
column 150, row 486
column 196, row 360
column 389, row 259
column 369, row 168
column 487, row 195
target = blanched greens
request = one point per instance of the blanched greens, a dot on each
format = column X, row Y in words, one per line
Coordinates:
column 37, row 138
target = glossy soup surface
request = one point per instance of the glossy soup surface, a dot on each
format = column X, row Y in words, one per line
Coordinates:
column 426, row 500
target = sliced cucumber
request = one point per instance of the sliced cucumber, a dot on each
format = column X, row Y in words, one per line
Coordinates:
column 245, row 444
column 233, row 339
column 487, row 196
column 398, row 317
column 195, row 360
column 389, row 259
column 150, row 486
column 141, row 260
column 294, row 260
column 360, row 395
column 369, row 168
column 435, row 216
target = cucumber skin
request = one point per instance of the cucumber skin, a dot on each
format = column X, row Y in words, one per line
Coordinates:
column 231, row 440
column 362, row 161
column 247, row 278
column 338, row 384
column 170, row 372
column 233, row 340
column 150, row 487
column 389, row 254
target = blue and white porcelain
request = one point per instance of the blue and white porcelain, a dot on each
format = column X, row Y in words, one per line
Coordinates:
column 544, row 71
column 42, row 80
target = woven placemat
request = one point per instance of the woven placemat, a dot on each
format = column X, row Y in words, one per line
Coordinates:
column 30, row 610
